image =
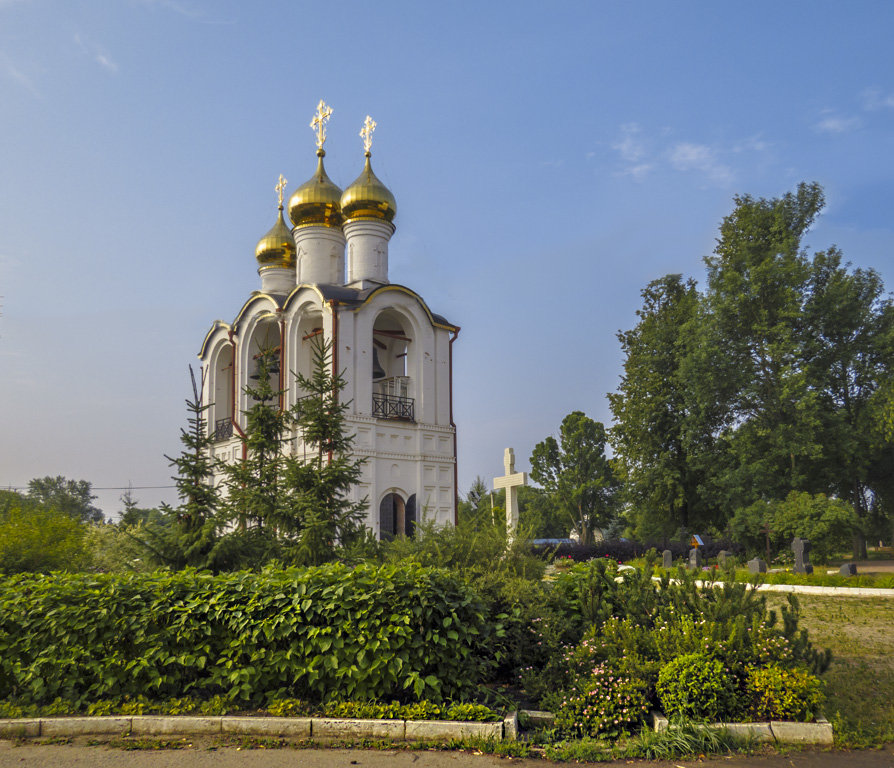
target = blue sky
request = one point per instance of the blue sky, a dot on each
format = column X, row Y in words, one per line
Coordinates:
column 548, row 160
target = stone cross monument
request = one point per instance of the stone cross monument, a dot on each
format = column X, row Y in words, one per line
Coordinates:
column 511, row 482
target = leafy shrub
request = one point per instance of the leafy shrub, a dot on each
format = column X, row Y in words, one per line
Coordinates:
column 783, row 694
column 697, row 687
column 607, row 704
column 374, row 710
column 288, row 708
column 470, row 713
column 623, row 550
column 39, row 540
column 519, row 605
column 367, row 710
column 828, row 523
column 596, row 615
column 403, row 632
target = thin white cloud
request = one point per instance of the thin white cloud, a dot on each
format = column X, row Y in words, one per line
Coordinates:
column 751, row 144
column 96, row 53
column 14, row 73
column 638, row 172
column 633, row 152
column 686, row 156
column 630, row 146
column 642, row 153
column 836, row 124
column 106, row 62
column 874, row 100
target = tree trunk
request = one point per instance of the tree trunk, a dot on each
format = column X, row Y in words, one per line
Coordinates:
column 860, row 546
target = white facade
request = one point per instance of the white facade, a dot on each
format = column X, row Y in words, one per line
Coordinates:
column 393, row 352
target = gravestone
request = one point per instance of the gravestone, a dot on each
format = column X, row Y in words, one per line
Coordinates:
column 667, row 559
column 695, row 558
column 511, row 482
column 801, row 548
column 757, row 566
column 848, row 569
column 725, row 559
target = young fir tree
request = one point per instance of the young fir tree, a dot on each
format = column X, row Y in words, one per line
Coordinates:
column 254, row 483
column 320, row 514
column 191, row 539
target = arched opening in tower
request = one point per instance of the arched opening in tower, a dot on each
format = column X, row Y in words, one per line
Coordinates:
column 221, row 421
column 392, row 363
column 397, row 517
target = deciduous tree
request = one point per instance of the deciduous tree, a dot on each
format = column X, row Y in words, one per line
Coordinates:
column 577, row 474
column 71, row 497
column 662, row 436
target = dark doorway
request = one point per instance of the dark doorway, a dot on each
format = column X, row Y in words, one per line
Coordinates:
column 396, row 517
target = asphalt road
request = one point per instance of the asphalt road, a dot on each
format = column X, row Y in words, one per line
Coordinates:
column 199, row 756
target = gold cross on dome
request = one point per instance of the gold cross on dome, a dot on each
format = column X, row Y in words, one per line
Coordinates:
column 366, row 133
column 280, row 186
column 319, row 122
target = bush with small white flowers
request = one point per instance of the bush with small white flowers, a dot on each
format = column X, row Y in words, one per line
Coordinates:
column 606, row 704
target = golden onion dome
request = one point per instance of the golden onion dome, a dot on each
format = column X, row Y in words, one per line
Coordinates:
column 368, row 198
column 317, row 200
column 277, row 247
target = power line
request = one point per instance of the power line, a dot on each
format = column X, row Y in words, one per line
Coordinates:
column 102, row 488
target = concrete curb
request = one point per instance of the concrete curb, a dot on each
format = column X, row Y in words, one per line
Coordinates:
column 295, row 727
column 536, row 718
column 819, row 732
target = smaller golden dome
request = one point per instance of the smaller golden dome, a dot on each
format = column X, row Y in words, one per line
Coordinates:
column 368, row 198
column 317, row 200
column 277, row 247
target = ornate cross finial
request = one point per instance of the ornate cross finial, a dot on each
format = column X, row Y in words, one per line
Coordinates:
column 319, row 122
column 366, row 133
column 280, row 186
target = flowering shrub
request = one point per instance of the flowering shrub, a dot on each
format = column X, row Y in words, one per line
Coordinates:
column 783, row 694
column 606, row 704
column 698, row 687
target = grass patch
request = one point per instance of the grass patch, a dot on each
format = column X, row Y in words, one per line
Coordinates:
column 686, row 740
column 860, row 679
column 148, row 744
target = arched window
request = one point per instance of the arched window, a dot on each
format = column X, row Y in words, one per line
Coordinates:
column 265, row 340
column 310, row 333
column 222, row 395
column 396, row 517
column 392, row 384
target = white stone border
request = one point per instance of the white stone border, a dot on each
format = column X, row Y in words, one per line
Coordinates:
column 294, row 727
column 803, row 589
column 819, row 732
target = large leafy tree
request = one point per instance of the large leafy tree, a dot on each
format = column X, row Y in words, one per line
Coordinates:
column 754, row 350
column 71, row 497
column 849, row 352
column 577, row 474
column 662, row 435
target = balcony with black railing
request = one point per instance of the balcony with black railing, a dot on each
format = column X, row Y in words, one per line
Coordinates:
column 393, row 407
column 223, row 429
column 391, row 399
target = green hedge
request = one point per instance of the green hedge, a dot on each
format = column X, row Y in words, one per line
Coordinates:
column 403, row 632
